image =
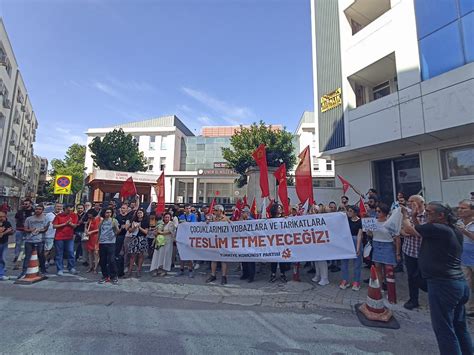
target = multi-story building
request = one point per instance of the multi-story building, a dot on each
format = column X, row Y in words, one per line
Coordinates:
column 394, row 94
column 306, row 135
column 43, row 176
column 18, row 126
column 195, row 170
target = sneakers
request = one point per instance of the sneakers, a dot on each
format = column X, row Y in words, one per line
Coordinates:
column 191, row 274
column 4, row 278
column 355, row 286
column 104, row 280
column 273, row 278
column 60, row 273
column 21, row 276
column 323, row 282
column 224, row 280
column 283, row 278
column 197, row 266
column 411, row 305
column 180, row 273
column 73, row 271
column 343, row 284
column 115, row 281
column 315, row 279
column 211, row 278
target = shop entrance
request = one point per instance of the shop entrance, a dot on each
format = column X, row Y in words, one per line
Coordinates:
column 397, row 175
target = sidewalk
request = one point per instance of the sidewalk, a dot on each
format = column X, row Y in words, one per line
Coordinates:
column 292, row 295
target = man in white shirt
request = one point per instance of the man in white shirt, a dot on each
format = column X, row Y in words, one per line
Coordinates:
column 49, row 235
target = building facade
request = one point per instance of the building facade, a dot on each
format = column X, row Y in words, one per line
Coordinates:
column 306, row 134
column 18, row 125
column 394, row 94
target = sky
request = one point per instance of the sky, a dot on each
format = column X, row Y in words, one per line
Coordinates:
column 98, row 63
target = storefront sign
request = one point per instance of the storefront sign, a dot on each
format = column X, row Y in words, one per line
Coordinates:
column 292, row 239
column 218, row 172
column 331, row 100
column 218, row 165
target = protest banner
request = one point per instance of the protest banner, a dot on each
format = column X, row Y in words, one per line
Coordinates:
column 303, row 238
column 369, row 224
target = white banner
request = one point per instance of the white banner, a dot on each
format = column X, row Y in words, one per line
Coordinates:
column 303, row 238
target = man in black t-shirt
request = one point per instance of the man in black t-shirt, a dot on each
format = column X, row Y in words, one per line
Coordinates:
column 124, row 218
column 5, row 231
column 440, row 264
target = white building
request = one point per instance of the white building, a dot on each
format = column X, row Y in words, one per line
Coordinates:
column 306, row 135
column 394, row 93
column 18, row 126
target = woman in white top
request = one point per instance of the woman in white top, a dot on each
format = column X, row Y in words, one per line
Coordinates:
column 162, row 257
column 385, row 253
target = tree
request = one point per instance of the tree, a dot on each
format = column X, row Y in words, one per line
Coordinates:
column 117, row 151
column 72, row 164
column 279, row 148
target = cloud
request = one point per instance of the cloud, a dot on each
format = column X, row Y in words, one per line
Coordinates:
column 205, row 120
column 53, row 141
column 229, row 112
column 106, row 89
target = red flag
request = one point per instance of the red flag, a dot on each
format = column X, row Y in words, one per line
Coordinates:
column 280, row 175
column 128, row 188
column 253, row 209
column 260, row 157
column 237, row 210
column 345, row 184
column 160, row 194
column 362, row 210
column 245, row 201
column 269, row 208
column 211, row 207
column 303, row 178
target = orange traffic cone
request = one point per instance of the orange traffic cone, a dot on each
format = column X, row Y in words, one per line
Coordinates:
column 32, row 273
column 373, row 308
column 296, row 272
column 391, row 290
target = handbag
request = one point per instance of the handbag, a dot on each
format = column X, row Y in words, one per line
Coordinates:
column 367, row 250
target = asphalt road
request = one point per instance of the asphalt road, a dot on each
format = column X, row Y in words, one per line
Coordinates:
column 97, row 319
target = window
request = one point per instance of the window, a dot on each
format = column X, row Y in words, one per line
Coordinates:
column 430, row 18
column 381, row 90
column 200, row 147
column 468, row 29
column 445, row 35
column 163, row 143
column 316, row 164
column 458, row 162
column 441, row 51
column 162, row 163
column 151, row 160
column 328, row 165
column 151, row 145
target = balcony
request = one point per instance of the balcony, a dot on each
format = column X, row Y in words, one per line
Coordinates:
column 362, row 12
column 374, row 81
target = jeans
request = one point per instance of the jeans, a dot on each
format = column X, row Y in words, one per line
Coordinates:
column 61, row 246
column 414, row 278
column 448, row 315
column 248, row 270
column 357, row 265
column 19, row 237
column 39, row 250
column 3, row 258
column 107, row 260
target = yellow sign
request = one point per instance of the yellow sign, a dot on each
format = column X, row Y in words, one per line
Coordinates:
column 62, row 184
column 331, row 100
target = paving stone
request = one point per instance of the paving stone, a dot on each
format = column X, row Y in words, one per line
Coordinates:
column 204, row 298
column 242, row 301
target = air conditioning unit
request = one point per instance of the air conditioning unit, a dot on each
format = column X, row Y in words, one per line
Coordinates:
column 23, row 108
column 12, row 142
column 7, row 103
column 3, row 60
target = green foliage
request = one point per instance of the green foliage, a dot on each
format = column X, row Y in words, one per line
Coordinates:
column 117, row 151
column 279, row 148
column 72, row 164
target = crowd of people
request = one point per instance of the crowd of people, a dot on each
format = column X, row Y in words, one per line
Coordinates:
column 435, row 245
